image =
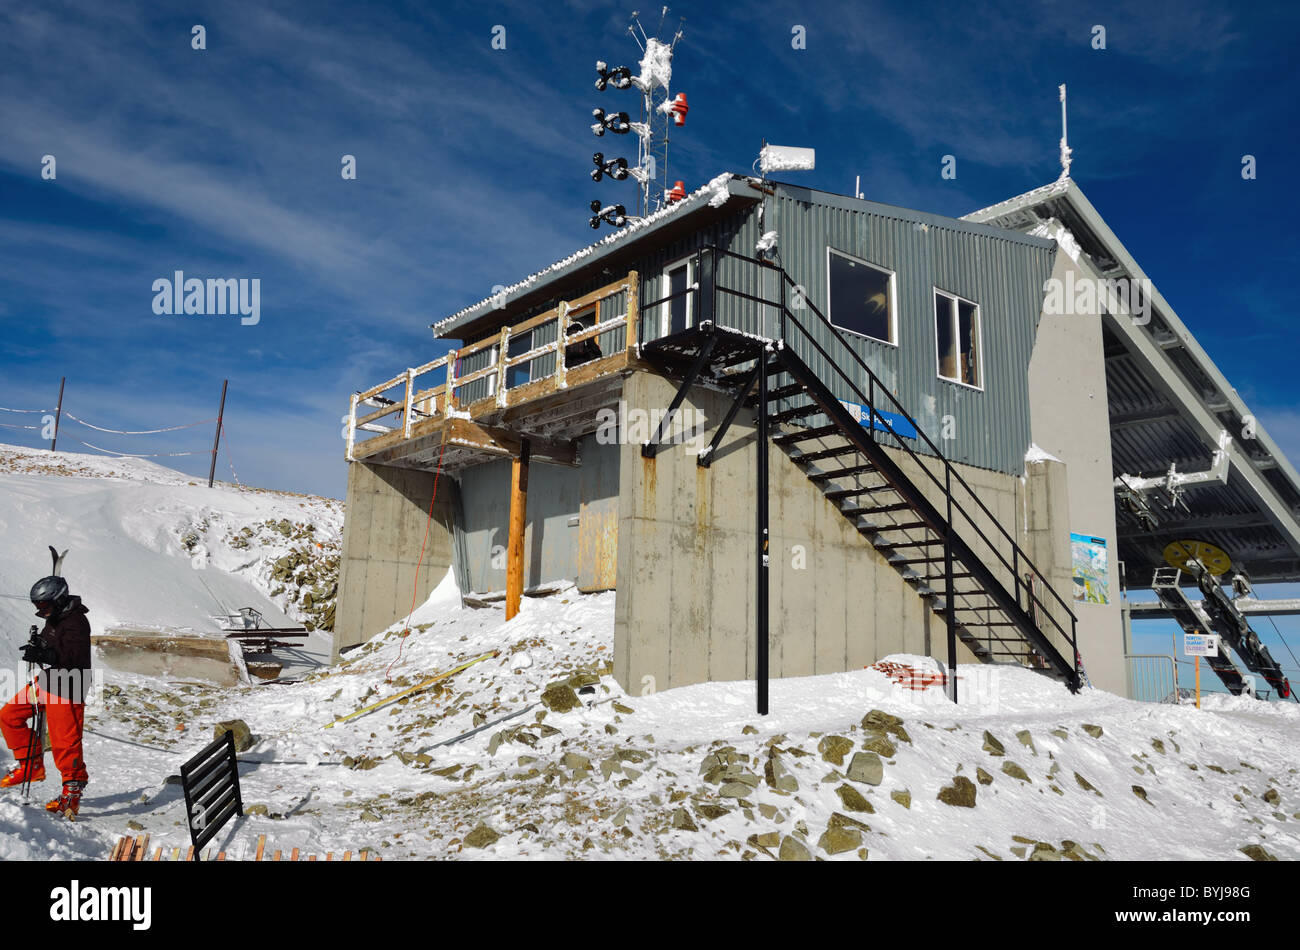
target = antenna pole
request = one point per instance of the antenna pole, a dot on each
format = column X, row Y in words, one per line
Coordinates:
column 1065, row 143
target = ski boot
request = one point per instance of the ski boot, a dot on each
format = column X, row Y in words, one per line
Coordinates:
column 26, row 771
column 69, row 802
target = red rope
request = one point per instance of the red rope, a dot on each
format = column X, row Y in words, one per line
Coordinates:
column 415, row 591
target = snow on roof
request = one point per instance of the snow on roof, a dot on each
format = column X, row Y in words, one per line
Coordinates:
column 715, row 189
column 1058, row 187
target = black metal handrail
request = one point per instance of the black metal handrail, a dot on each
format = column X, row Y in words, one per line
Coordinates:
column 874, row 383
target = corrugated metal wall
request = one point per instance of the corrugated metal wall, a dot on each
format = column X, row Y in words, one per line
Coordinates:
column 1003, row 274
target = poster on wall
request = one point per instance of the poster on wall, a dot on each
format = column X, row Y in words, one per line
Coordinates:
column 1091, row 579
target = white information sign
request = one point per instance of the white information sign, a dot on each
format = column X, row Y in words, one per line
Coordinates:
column 1201, row 644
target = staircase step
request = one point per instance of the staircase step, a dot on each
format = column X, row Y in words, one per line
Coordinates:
column 803, row 457
column 915, row 560
column 838, row 494
column 793, row 438
column 895, row 545
column 799, row 411
column 905, row 526
column 785, row 392
column 879, row 509
column 842, row 472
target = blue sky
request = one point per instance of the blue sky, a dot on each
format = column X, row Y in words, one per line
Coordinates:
column 472, row 171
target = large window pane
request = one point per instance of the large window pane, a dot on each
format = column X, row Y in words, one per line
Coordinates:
column 859, row 298
column 943, row 334
column 968, row 341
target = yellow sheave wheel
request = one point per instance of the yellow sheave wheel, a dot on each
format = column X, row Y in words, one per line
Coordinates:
column 1215, row 559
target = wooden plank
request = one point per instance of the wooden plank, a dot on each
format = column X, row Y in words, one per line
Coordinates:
column 379, row 413
column 515, row 541
column 347, row 855
column 277, row 855
column 117, row 849
column 598, row 545
column 157, row 855
column 311, row 858
column 364, row 855
column 293, row 855
column 189, row 853
column 633, row 310
column 329, row 856
column 221, row 855
column 176, row 853
column 141, row 848
column 261, row 847
column 376, row 390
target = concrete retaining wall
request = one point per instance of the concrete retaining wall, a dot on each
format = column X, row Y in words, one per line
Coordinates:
column 387, row 511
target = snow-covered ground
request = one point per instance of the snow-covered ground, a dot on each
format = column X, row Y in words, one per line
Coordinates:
column 846, row 766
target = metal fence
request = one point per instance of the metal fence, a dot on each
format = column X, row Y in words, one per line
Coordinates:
column 1151, row 678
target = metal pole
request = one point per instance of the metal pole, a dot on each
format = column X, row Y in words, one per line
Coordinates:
column 58, row 412
column 760, row 587
column 216, row 440
column 949, row 597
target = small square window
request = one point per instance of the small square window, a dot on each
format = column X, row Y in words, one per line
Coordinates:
column 861, row 297
column 957, row 339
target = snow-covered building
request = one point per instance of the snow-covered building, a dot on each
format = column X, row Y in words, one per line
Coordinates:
column 938, row 471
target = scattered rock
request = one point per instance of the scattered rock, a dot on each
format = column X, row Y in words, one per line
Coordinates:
column 243, row 736
column 1085, row 784
column 1256, row 853
column 682, row 820
column 481, row 837
column 1044, row 852
column 1141, row 793
column 853, row 800
column 257, row 809
column 881, row 745
column 1272, row 797
column 793, row 850
column 1158, row 746
column 1015, row 771
column 620, row 708
column 136, row 826
column 710, row 812
column 991, row 745
column 983, row 777
column 1094, row 731
column 749, row 731
column 902, row 796
column 573, row 762
column 1026, row 740
column 866, row 768
column 1060, row 733
column 834, row 748
column 778, row 777
column 560, row 698
column 960, row 794
column 837, row 839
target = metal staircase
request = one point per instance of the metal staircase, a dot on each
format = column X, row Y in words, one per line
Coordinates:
column 837, row 426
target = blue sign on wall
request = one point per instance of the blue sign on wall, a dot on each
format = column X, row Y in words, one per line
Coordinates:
column 884, row 421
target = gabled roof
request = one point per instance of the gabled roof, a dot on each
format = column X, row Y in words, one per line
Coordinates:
column 1168, row 403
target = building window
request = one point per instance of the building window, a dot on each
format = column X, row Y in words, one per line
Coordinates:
column 957, row 337
column 520, row 373
column 679, row 313
column 862, row 297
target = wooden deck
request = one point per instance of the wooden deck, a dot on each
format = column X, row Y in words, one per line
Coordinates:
column 411, row 427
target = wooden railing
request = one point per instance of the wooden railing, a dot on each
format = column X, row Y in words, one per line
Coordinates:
column 401, row 397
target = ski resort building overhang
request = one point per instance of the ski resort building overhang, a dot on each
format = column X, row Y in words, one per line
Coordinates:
column 1170, row 405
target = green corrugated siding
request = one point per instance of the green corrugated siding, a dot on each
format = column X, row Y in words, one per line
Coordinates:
column 1003, row 274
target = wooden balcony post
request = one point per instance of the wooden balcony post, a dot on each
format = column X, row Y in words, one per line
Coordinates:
column 561, row 331
column 515, row 548
column 503, row 365
column 450, row 395
column 406, row 403
column 352, row 426
column 633, row 312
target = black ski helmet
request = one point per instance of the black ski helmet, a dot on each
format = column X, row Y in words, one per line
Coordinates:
column 52, row 591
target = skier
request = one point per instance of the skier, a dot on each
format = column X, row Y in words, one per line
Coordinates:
column 62, row 650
